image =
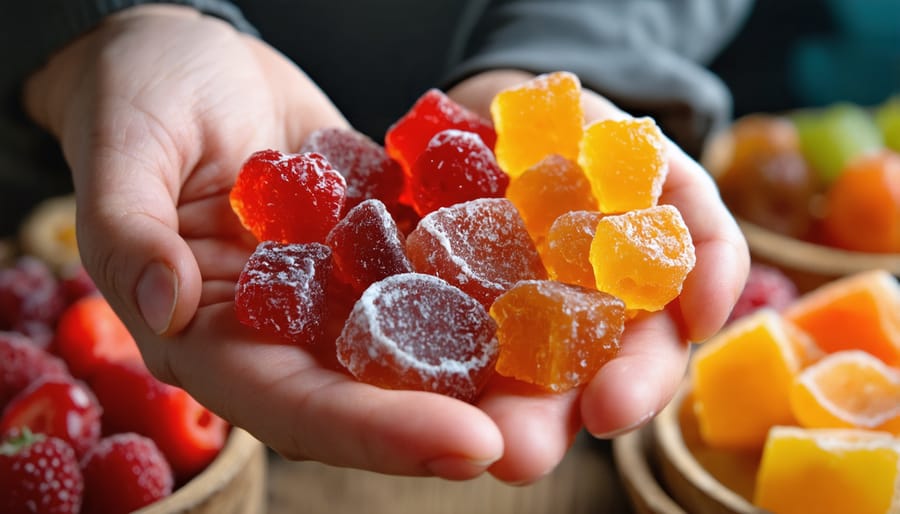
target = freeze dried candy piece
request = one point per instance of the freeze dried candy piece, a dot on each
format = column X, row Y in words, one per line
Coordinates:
column 367, row 246
column 537, row 118
column 455, row 167
column 548, row 190
column 415, row 331
column 364, row 164
column 625, row 160
column 480, row 246
column 642, row 256
column 433, row 112
column 556, row 335
column 291, row 198
column 567, row 248
column 282, row 290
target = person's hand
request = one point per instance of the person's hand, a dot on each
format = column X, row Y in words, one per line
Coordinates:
column 633, row 387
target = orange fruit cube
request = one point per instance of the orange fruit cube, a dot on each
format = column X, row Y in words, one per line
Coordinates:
column 829, row 471
column 567, row 248
column 848, row 389
column 540, row 117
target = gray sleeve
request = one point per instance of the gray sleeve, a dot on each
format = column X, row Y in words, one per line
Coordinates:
column 647, row 56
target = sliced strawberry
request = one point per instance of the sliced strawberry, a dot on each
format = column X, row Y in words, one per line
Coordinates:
column 59, row 407
column 90, row 333
column 21, row 363
column 123, row 473
column 39, row 473
column 189, row 435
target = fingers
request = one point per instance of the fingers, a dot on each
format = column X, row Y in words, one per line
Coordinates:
column 633, row 387
column 281, row 395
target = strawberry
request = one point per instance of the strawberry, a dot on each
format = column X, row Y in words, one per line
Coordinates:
column 124, row 472
column 90, row 333
column 31, row 299
column 21, row 363
column 39, row 473
column 133, row 400
column 59, row 407
column 76, row 283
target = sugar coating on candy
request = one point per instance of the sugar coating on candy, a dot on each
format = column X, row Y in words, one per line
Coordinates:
column 364, row 164
column 291, row 198
column 642, row 256
column 567, row 248
column 367, row 246
column 415, row 331
column 282, row 290
column 540, row 117
column 455, row 167
column 556, row 335
column 433, row 112
column 626, row 163
column 480, row 246
column 547, row 190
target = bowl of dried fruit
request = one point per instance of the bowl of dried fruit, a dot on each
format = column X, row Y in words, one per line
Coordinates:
column 84, row 426
column 815, row 191
column 793, row 410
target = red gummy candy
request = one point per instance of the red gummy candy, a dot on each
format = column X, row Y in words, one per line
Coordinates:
column 282, row 290
column 367, row 246
column 415, row 331
column 455, row 167
column 480, row 246
column 291, row 198
column 433, row 112
column 367, row 168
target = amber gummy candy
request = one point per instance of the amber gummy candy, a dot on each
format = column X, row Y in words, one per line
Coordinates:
column 547, row 190
column 567, row 249
column 415, row 331
column 556, row 335
column 291, row 198
column 540, row 117
column 455, row 167
column 642, row 256
column 433, row 112
column 282, row 290
column 364, row 164
column 367, row 246
column 480, row 246
column 625, row 161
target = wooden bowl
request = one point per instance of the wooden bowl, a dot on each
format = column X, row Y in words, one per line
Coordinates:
column 808, row 264
column 632, row 457
column 234, row 483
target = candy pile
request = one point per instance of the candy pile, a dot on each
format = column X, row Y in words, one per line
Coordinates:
column 464, row 247
column 85, row 427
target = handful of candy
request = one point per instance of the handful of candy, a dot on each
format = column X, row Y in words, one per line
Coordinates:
column 465, row 247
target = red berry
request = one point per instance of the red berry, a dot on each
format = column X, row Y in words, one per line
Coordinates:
column 124, row 472
column 30, row 299
column 76, row 283
column 189, row 435
column 90, row 333
column 58, row 407
column 39, row 473
column 21, row 363
column 766, row 287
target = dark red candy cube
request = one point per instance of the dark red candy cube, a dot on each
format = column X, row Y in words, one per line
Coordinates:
column 367, row 246
column 433, row 112
column 282, row 290
column 480, row 246
column 415, row 331
column 367, row 168
column 455, row 167
column 290, row 198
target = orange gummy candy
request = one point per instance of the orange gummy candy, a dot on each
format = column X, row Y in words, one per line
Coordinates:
column 540, row 117
column 556, row 335
column 642, row 256
column 626, row 163
column 567, row 249
column 547, row 190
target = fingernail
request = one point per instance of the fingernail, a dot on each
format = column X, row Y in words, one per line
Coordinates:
column 457, row 468
column 156, row 293
column 624, row 430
